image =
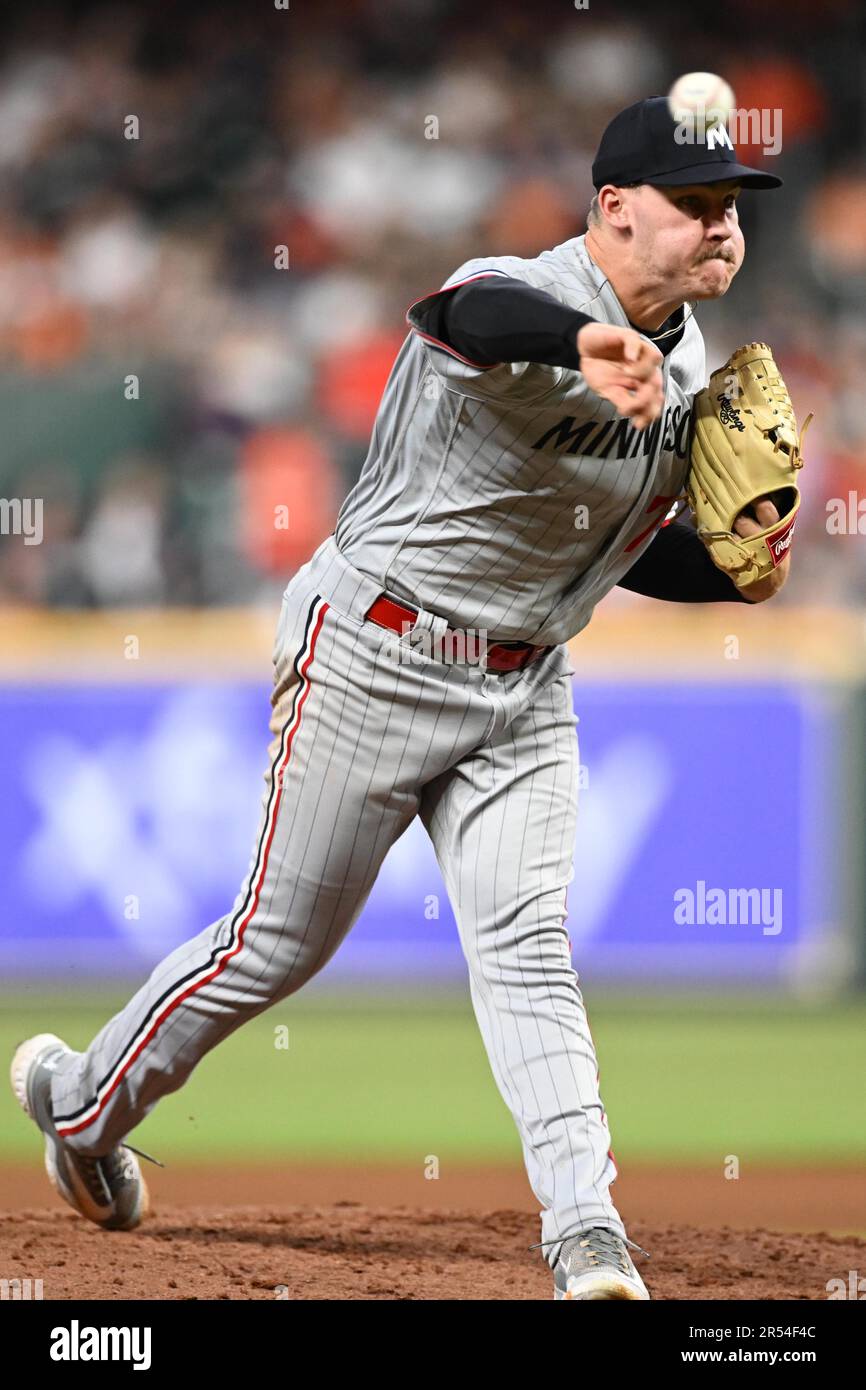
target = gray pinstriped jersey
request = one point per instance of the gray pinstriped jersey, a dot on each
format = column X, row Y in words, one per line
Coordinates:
column 513, row 498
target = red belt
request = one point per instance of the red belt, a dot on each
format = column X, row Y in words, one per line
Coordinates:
column 497, row 656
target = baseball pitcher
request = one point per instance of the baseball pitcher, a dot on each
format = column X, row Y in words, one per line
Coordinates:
column 534, row 435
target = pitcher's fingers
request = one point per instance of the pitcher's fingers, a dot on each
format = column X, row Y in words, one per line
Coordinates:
column 744, row 526
column 650, row 353
column 624, row 398
column 641, row 403
column 642, row 370
column 650, row 395
column 607, row 342
column 650, row 398
column 631, row 350
column 766, row 512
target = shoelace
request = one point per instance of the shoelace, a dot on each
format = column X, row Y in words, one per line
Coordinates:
column 596, row 1231
column 150, row 1158
column 113, row 1164
column 597, row 1247
column 91, row 1171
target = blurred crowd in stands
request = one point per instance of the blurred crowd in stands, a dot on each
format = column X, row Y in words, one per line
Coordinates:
column 192, row 402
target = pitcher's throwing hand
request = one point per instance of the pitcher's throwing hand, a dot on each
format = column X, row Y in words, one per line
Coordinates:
column 624, row 368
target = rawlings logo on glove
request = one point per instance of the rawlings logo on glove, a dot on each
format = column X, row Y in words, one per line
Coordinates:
column 780, row 541
column 740, row 454
column 728, row 414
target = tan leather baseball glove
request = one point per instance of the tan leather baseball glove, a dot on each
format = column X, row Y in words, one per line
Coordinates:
column 745, row 446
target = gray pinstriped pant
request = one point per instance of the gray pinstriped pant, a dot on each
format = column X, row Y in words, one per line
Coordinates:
column 363, row 742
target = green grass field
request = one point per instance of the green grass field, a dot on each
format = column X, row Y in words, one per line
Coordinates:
column 367, row 1080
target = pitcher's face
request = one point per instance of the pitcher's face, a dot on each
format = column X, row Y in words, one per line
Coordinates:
column 689, row 237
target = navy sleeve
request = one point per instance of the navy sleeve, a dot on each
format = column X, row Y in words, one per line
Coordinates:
column 498, row 319
column 676, row 566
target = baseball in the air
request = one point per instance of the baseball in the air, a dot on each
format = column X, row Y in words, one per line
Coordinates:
column 701, row 98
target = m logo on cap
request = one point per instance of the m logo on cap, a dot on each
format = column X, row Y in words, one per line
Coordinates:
column 644, row 144
column 717, row 135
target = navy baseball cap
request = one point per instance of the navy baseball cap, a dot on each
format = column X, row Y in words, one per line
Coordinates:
column 638, row 146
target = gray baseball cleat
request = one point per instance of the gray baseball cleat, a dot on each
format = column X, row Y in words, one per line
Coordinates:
column 108, row 1190
column 595, row 1264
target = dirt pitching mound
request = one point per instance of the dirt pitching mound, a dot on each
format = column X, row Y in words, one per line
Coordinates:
column 351, row 1251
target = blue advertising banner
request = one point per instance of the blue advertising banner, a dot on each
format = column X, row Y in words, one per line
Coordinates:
column 129, row 812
